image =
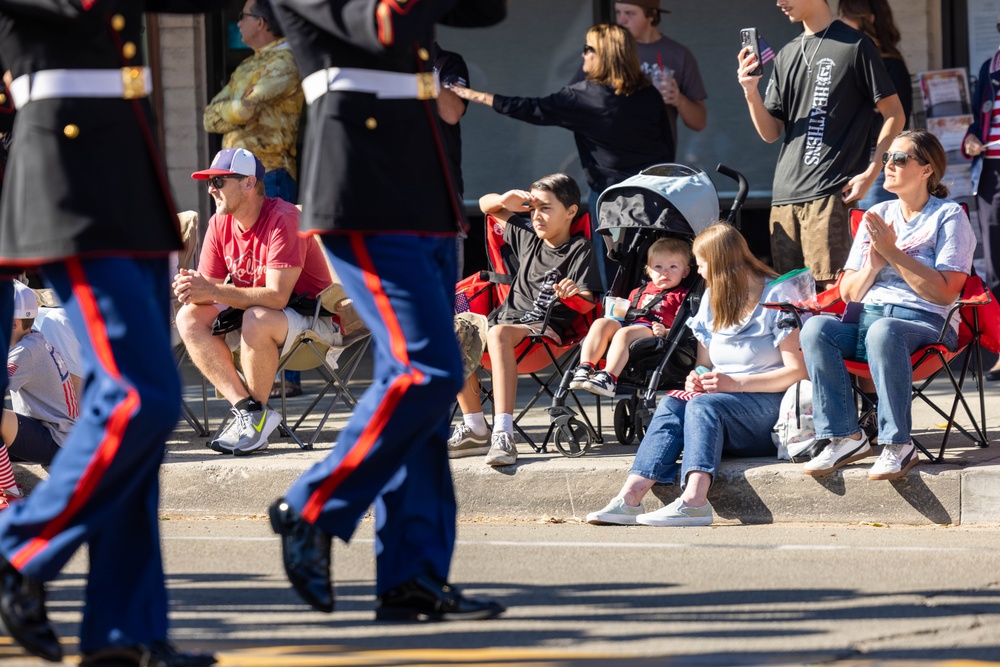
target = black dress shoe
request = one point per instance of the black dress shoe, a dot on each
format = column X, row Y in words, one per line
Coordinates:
column 159, row 654
column 23, row 614
column 305, row 550
column 993, row 376
column 427, row 598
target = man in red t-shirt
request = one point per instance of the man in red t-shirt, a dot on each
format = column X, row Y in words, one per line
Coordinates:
column 253, row 260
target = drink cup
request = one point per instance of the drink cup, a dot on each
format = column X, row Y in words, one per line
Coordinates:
column 661, row 78
column 615, row 307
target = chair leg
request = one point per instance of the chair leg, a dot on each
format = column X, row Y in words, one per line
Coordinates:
column 201, row 427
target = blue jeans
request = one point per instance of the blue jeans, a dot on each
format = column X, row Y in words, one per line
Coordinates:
column 279, row 183
column 704, row 428
column 826, row 342
column 608, row 268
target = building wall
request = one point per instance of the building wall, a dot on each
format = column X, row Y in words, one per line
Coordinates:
column 919, row 21
column 182, row 42
column 182, row 57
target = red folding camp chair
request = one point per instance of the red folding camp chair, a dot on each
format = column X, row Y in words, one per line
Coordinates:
column 978, row 317
column 484, row 292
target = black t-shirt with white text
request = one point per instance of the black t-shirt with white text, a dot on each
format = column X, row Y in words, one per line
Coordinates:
column 826, row 110
column 540, row 266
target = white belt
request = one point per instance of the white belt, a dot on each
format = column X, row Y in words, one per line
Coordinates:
column 125, row 83
column 385, row 85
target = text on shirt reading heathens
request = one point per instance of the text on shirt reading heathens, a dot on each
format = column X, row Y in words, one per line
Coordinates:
column 817, row 117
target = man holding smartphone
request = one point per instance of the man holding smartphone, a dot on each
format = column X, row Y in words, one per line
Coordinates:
column 821, row 82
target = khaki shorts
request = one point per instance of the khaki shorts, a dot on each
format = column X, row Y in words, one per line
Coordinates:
column 471, row 328
column 816, row 234
column 297, row 323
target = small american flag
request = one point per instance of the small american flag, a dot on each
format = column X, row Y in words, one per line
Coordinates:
column 766, row 52
column 462, row 304
column 684, row 395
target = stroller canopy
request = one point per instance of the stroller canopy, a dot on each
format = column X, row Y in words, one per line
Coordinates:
column 669, row 197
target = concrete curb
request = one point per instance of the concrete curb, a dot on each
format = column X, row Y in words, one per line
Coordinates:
column 549, row 486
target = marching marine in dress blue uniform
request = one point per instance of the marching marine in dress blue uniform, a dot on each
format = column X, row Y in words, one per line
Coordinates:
column 86, row 201
column 377, row 186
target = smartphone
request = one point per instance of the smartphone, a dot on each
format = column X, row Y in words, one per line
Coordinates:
column 749, row 37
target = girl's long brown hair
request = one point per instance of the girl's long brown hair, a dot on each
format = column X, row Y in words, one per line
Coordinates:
column 731, row 271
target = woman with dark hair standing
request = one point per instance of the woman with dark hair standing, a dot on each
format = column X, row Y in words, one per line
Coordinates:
column 874, row 19
column 617, row 117
column 908, row 264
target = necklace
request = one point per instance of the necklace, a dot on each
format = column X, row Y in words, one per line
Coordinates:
column 802, row 47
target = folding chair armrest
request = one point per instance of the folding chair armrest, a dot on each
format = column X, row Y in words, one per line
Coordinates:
column 982, row 299
column 823, row 301
column 498, row 278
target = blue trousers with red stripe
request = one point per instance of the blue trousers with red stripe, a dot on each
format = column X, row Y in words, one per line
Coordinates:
column 394, row 446
column 103, row 489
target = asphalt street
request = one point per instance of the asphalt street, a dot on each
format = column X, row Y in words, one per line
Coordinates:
column 785, row 594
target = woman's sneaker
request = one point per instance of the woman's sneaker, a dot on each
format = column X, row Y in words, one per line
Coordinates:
column 580, row 377
column 617, row 512
column 837, row 454
column 678, row 513
column 465, row 442
column 600, row 383
column 894, row 461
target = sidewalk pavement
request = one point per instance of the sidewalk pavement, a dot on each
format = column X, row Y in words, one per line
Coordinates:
column 965, row 489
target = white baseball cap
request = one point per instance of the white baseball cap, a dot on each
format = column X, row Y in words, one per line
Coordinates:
column 232, row 162
column 25, row 302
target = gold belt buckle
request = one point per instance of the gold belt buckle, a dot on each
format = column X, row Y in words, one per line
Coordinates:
column 426, row 90
column 133, row 83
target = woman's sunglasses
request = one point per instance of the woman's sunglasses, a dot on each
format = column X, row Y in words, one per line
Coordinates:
column 219, row 182
column 587, row 48
column 899, row 159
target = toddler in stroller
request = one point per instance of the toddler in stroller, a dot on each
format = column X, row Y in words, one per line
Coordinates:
column 651, row 312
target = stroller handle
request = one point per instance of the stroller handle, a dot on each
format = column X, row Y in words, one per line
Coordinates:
column 741, row 194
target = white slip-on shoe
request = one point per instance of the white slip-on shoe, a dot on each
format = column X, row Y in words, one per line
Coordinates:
column 678, row 513
column 616, row 512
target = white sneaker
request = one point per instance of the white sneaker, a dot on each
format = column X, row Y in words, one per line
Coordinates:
column 616, row 512
column 894, row 461
column 466, row 442
column 837, row 454
column 256, row 427
column 580, row 376
column 247, row 431
column 678, row 513
column 502, row 452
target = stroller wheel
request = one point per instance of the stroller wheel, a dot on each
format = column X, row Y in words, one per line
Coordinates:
column 573, row 438
column 625, row 421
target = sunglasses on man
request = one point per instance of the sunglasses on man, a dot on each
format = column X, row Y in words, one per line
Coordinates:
column 219, row 182
column 900, row 159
